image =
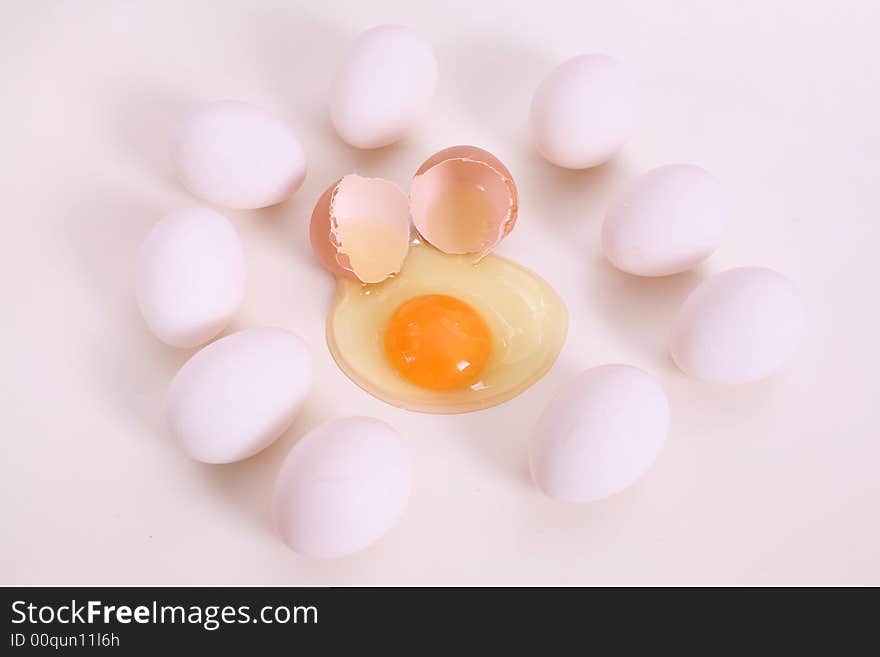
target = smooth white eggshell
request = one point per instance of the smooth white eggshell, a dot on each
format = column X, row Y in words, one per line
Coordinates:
column 342, row 487
column 383, row 86
column 665, row 221
column 601, row 433
column 190, row 276
column 239, row 156
column 582, row 113
column 237, row 395
column 738, row 326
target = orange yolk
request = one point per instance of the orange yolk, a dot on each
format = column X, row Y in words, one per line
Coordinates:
column 438, row 342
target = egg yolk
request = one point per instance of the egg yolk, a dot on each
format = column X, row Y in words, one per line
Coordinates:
column 438, row 342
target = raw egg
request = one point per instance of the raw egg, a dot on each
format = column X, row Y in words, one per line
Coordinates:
column 342, row 487
column 237, row 155
column 582, row 113
column 447, row 335
column 190, row 276
column 237, row 395
column 454, row 329
column 601, row 433
column 438, row 342
column 738, row 326
column 383, row 86
column 665, row 221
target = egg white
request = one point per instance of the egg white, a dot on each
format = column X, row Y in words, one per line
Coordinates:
column 528, row 321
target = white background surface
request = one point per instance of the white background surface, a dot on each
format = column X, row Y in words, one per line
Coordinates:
column 776, row 482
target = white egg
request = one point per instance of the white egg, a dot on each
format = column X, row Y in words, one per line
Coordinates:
column 238, row 156
column 383, row 86
column 237, row 395
column 190, row 276
column 343, row 486
column 582, row 113
column 601, row 433
column 665, row 221
column 738, row 326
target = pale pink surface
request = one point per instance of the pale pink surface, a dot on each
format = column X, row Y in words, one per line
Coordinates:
column 238, row 155
column 774, row 482
column 601, row 432
column 739, row 326
column 190, row 276
column 665, row 221
column 237, row 395
column 342, row 487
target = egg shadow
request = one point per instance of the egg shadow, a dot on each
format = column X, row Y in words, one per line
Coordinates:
column 246, row 486
column 288, row 222
column 144, row 124
column 130, row 365
column 298, row 83
column 489, row 73
column 710, row 405
column 499, row 436
column 561, row 212
column 567, row 201
column 640, row 308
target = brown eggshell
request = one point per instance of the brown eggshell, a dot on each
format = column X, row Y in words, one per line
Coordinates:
column 473, row 159
column 360, row 228
column 321, row 237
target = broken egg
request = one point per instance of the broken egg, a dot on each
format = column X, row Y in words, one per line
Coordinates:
column 437, row 325
column 360, row 228
column 463, row 200
column 447, row 335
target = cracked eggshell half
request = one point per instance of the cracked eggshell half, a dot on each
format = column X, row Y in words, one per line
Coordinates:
column 360, row 228
column 464, row 200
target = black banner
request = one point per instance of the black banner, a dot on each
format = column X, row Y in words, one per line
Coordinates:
column 126, row 620
column 418, row 620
